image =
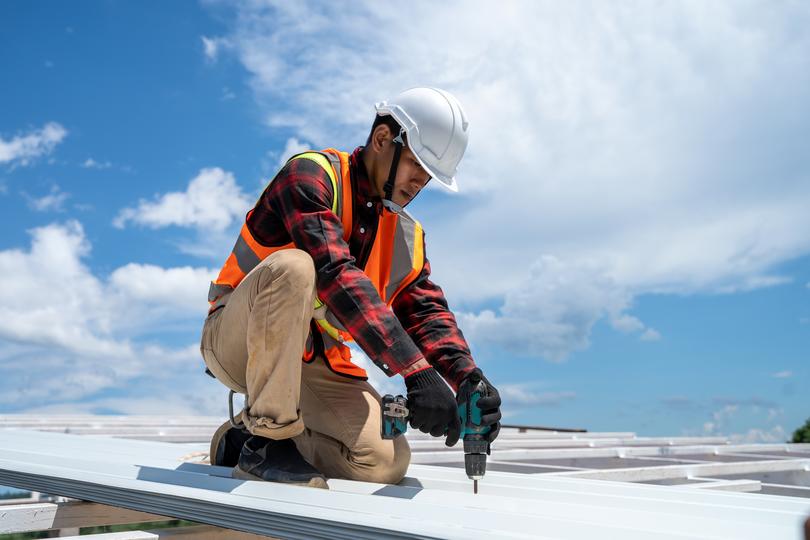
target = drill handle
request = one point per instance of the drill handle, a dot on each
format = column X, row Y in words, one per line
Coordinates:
column 471, row 390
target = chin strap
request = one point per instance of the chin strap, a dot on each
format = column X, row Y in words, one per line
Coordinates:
column 388, row 190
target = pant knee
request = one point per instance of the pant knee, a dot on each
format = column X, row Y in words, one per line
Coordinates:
column 390, row 463
column 298, row 265
column 294, row 267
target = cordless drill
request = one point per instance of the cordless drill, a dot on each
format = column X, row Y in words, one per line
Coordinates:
column 473, row 433
column 395, row 422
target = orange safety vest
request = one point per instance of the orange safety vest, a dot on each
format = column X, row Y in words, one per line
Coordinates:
column 396, row 260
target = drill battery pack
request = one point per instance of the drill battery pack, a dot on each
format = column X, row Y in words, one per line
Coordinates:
column 394, row 416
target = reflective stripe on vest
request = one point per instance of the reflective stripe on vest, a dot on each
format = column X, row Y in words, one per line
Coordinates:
column 396, row 260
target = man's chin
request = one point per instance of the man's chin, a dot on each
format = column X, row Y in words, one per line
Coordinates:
column 402, row 198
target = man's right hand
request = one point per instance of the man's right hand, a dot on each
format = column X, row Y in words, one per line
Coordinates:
column 432, row 405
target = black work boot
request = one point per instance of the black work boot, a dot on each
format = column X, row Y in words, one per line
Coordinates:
column 276, row 461
column 226, row 444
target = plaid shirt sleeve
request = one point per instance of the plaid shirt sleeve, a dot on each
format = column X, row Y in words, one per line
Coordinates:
column 423, row 311
column 301, row 196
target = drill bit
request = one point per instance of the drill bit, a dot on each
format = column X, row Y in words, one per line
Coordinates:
column 475, row 487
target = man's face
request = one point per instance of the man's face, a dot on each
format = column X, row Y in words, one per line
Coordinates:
column 410, row 179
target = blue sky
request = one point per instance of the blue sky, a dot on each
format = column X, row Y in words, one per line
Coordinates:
column 629, row 251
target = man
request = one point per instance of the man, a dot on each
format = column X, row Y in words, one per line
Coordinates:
column 326, row 256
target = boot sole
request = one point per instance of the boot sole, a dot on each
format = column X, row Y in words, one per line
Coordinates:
column 316, row 482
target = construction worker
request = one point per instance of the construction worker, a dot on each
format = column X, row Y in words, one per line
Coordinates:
column 326, row 256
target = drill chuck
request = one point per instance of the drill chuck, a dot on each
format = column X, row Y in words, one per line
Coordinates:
column 475, row 458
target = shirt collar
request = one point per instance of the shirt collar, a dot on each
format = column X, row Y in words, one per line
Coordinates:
column 363, row 189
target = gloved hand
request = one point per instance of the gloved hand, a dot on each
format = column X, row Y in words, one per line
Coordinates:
column 490, row 405
column 432, row 405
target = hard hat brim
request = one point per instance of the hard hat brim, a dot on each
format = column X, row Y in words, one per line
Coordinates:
column 448, row 182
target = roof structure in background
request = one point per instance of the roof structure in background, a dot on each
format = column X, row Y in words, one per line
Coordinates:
column 539, row 484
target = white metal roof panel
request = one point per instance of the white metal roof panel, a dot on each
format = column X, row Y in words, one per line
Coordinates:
column 432, row 502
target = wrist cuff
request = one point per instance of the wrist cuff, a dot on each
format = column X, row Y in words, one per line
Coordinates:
column 423, row 378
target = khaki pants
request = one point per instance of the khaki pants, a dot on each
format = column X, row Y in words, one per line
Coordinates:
column 254, row 345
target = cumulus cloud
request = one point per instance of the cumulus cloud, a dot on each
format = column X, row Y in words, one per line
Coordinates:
column 180, row 288
column 785, row 374
column 68, row 334
column 657, row 146
column 24, row 149
column 91, row 163
column 212, row 201
column 751, row 419
column 551, row 313
column 54, row 201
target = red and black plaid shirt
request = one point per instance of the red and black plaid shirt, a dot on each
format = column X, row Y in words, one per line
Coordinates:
column 297, row 207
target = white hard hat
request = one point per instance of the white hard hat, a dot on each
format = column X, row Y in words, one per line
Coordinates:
column 436, row 129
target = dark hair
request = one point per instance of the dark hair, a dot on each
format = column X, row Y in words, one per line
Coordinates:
column 387, row 120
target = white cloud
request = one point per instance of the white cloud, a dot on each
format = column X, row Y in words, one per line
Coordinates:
column 786, row 374
column 627, row 323
column 24, row 149
column 198, row 397
column 54, row 201
column 551, row 312
column 775, row 434
column 655, row 145
column 293, row 146
column 181, row 287
column 67, row 334
column 746, row 420
column 57, row 302
column 212, row 47
column 523, row 395
column 650, row 334
column 212, row 201
column 91, row 163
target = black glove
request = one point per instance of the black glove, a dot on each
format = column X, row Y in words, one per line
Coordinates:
column 490, row 405
column 432, row 406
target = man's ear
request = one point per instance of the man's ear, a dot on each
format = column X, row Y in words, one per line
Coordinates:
column 379, row 137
